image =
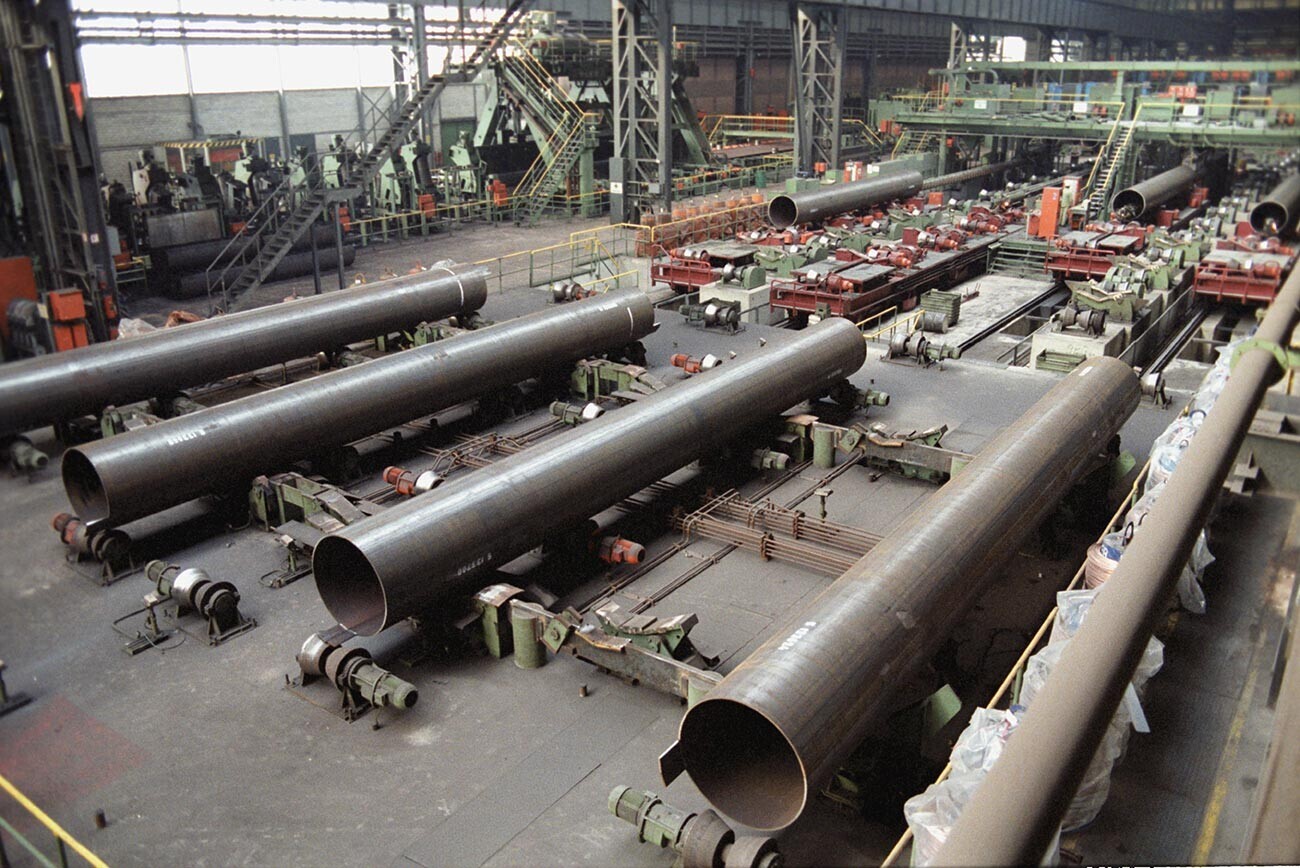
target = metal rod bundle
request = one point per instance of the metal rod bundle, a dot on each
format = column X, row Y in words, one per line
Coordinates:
column 126, row 477
column 406, row 560
column 1132, row 202
column 1276, row 215
column 63, row 386
column 1018, row 808
column 784, row 211
column 780, row 724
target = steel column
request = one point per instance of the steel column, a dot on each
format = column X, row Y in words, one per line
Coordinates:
column 1018, row 808
column 408, row 559
column 819, row 83
column 642, row 53
column 776, row 728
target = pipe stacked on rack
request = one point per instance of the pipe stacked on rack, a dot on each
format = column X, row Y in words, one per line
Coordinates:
column 406, row 560
column 63, row 386
column 780, row 724
column 113, row 481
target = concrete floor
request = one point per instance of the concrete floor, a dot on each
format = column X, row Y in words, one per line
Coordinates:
column 201, row 756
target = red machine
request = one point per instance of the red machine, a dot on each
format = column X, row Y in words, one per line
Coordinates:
column 681, row 273
column 1092, row 251
column 1247, row 278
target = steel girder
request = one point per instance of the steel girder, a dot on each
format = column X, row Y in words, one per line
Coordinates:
column 819, row 83
column 641, row 172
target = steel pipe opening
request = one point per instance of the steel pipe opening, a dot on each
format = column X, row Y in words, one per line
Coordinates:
column 750, row 766
column 84, row 488
column 1276, row 215
column 782, row 212
column 349, row 586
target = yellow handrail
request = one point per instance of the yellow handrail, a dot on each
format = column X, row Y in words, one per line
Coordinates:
column 1105, row 147
column 54, row 828
column 1025, row 654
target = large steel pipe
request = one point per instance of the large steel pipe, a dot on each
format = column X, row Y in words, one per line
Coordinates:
column 65, row 385
column 953, row 178
column 780, row 724
column 401, row 563
column 1018, row 808
column 1132, row 202
column 113, row 481
column 1276, row 215
column 835, row 199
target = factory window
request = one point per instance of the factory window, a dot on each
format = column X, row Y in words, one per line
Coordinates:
column 133, row 70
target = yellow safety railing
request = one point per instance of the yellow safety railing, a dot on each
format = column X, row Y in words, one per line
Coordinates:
column 747, row 125
column 904, row 322
column 865, row 131
column 61, row 837
column 1019, row 665
column 1105, row 149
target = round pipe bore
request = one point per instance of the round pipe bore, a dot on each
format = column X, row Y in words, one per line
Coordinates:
column 1276, row 215
column 113, row 481
column 782, row 721
column 787, row 210
column 411, row 557
column 1132, row 202
column 63, row 386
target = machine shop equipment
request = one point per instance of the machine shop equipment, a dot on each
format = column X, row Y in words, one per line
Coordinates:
column 62, row 386
column 714, row 314
column 694, row 365
column 10, row 701
column 362, row 683
column 114, row 481
column 617, row 550
column 575, row 414
column 569, row 290
column 1088, row 320
column 813, row 205
column 791, row 712
column 745, row 276
column 597, row 379
column 409, row 559
column 700, row 840
column 191, row 591
column 654, row 654
column 408, row 483
column 109, row 548
column 24, row 458
column 915, row 345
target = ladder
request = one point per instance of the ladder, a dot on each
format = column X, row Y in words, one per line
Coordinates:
column 1103, row 171
column 572, row 131
column 288, row 211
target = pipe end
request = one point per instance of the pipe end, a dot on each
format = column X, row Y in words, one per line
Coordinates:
column 349, row 586
column 743, row 764
column 782, row 212
column 84, row 488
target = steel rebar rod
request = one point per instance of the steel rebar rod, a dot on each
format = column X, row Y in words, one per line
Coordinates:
column 1018, row 808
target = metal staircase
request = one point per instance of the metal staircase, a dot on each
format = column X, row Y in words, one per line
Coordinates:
column 571, row 131
column 288, row 211
column 910, row 143
column 1114, row 151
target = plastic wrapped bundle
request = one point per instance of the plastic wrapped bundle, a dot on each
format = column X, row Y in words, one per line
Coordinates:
column 932, row 814
column 981, row 742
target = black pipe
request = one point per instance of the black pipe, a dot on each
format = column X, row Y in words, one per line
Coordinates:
column 405, row 561
column 66, row 385
column 780, row 724
column 114, row 481
column 1276, row 215
column 1132, row 202
column 835, row 199
column 293, row 265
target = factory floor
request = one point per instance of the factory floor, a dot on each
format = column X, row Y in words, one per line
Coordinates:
column 203, row 756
